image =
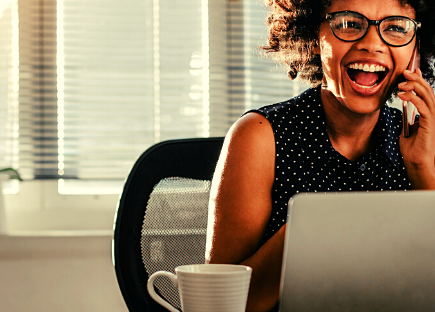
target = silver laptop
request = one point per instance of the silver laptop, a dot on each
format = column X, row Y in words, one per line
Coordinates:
column 360, row 252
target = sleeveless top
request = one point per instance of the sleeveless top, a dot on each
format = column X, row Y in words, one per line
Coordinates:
column 305, row 160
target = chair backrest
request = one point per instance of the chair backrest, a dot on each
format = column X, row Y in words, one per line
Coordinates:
column 161, row 217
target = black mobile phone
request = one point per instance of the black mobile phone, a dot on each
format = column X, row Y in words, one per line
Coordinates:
column 409, row 111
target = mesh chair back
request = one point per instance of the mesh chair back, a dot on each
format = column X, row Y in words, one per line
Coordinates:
column 162, row 217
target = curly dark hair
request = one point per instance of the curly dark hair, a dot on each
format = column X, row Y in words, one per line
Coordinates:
column 293, row 35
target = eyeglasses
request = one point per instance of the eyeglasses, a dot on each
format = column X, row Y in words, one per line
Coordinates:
column 396, row 31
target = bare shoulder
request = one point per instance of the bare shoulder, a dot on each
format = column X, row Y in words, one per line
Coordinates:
column 251, row 132
column 249, row 149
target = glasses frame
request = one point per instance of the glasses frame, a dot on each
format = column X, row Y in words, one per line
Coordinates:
column 330, row 16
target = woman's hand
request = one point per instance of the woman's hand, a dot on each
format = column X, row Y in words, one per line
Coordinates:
column 418, row 150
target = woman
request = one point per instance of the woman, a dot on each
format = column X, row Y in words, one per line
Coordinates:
column 337, row 136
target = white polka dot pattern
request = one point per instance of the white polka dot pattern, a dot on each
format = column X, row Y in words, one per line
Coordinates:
column 307, row 162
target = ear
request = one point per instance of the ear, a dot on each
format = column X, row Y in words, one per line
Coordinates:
column 316, row 48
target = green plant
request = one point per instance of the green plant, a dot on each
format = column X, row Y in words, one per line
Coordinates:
column 13, row 174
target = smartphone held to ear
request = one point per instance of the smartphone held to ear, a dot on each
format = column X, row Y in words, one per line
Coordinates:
column 409, row 111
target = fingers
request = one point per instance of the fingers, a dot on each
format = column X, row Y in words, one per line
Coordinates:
column 416, row 82
column 423, row 96
column 420, row 103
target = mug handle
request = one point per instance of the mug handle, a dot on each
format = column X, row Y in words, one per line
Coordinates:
column 154, row 295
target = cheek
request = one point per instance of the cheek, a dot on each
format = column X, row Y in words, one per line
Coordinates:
column 401, row 61
column 331, row 56
column 326, row 55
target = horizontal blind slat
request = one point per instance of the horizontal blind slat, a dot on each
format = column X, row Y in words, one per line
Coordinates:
column 119, row 76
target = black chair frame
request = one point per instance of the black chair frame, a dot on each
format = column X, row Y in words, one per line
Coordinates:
column 160, row 161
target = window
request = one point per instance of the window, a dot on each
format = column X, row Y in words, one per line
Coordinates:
column 88, row 85
column 9, row 83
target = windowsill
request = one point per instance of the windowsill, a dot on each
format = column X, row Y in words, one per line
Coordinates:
column 39, row 210
column 60, row 233
column 44, row 195
column 60, row 222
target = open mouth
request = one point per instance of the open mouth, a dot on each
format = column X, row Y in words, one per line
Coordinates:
column 366, row 76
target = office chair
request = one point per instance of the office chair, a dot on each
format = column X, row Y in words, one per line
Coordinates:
column 161, row 218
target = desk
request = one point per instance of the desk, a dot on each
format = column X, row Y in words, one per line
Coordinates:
column 58, row 271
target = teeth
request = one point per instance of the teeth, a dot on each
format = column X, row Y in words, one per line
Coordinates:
column 367, row 68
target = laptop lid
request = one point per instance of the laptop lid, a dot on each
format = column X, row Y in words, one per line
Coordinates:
column 360, row 252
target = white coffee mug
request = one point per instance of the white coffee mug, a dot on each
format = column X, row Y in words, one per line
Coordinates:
column 207, row 287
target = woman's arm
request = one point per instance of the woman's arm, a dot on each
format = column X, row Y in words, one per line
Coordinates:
column 418, row 150
column 240, row 207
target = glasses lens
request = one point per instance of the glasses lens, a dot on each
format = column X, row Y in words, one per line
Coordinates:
column 397, row 30
column 348, row 26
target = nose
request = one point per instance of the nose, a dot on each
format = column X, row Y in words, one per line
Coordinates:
column 372, row 41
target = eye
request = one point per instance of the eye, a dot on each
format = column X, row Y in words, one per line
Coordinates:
column 348, row 25
column 396, row 29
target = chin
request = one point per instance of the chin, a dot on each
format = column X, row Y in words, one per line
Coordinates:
column 361, row 104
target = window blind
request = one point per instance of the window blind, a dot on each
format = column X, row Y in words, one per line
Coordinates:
column 99, row 81
column 9, row 84
column 105, row 86
column 37, row 89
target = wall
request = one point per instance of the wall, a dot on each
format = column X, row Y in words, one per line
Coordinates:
column 58, row 271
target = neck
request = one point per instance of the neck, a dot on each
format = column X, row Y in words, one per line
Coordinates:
column 350, row 133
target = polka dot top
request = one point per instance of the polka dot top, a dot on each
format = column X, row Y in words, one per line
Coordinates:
column 307, row 162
